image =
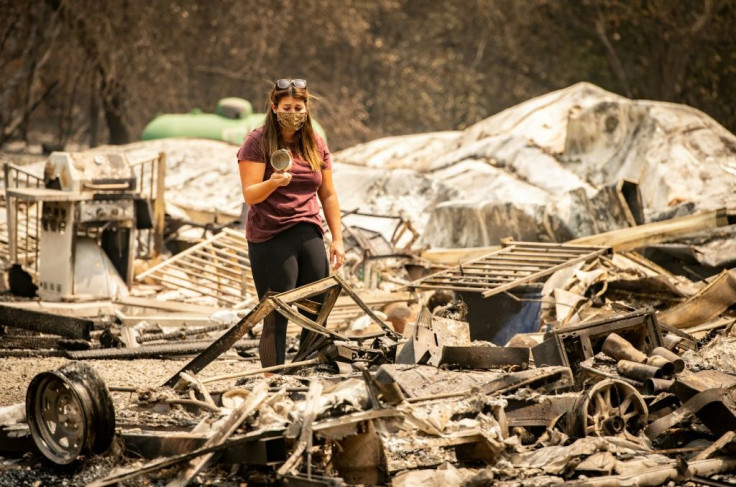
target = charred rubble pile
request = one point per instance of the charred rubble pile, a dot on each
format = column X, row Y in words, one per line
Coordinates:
column 536, row 364
column 564, row 314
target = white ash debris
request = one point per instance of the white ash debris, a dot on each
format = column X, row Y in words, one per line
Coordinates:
column 533, row 158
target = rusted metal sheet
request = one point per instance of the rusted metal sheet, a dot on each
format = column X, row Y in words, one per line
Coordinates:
column 422, row 381
column 714, row 407
column 688, row 385
column 432, row 333
column 360, row 458
column 544, row 379
column 708, row 303
column 266, row 448
column 485, row 357
column 538, row 411
column 514, row 264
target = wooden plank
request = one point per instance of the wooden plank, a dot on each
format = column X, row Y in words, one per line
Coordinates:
column 499, row 270
column 642, row 235
column 228, row 244
column 205, row 249
column 452, row 280
column 177, row 321
column 328, row 305
column 309, row 290
column 463, row 287
column 466, row 276
column 178, row 256
column 165, row 305
column 499, row 267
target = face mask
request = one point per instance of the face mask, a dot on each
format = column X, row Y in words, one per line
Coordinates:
column 291, row 121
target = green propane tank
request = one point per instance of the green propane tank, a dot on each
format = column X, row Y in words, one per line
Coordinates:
column 232, row 121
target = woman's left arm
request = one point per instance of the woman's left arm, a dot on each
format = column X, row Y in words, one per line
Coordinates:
column 328, row 197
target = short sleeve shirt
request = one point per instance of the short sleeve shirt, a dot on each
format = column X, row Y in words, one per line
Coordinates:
column 287, row 205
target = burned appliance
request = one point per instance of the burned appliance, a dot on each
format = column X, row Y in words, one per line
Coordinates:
column 87, row 225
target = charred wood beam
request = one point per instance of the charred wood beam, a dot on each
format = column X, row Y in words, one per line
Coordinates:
column 48, row 342
column 66, row 326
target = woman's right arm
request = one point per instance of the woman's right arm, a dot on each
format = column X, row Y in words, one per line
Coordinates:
column 255, row 189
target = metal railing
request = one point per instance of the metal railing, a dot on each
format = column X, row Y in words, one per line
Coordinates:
column 218, row 267
column 19, row 236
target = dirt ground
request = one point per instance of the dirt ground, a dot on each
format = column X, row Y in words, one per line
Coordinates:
column 17, row 373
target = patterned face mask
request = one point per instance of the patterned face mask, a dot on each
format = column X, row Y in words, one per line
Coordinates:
column 291, row 121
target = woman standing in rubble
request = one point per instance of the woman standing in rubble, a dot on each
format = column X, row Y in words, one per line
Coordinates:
column 283, row 224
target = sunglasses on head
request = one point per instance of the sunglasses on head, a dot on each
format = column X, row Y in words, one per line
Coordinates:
column 283, row 84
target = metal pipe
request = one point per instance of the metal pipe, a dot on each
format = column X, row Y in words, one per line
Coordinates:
column 667, row 367
column 672, row 357
column 617, row 347
column 670, row 341
column 655, row 386
column 638, row 371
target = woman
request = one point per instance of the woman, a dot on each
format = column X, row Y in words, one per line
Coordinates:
column 283, row 225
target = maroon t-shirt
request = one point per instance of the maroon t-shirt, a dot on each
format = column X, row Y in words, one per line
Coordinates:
column 287, row 205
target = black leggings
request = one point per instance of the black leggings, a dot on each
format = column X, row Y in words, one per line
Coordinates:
column 293, row 258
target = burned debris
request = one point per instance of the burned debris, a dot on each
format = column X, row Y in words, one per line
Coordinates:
column 618, row 396
column 603, row 358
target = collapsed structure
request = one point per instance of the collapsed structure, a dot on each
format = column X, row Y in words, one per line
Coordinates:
column 577, row 330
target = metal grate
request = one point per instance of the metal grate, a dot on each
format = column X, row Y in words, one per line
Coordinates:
column 514, row 264
column 218, row 267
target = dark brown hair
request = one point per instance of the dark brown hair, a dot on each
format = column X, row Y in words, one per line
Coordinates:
column 306, row 140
